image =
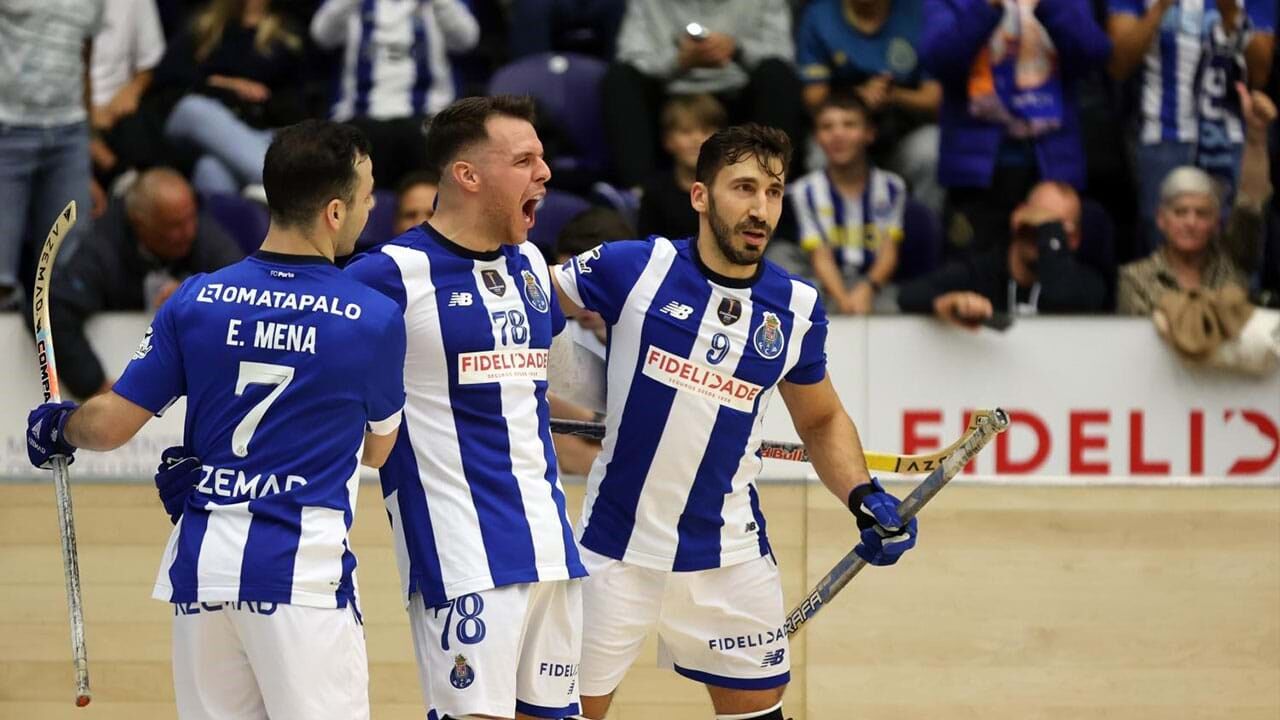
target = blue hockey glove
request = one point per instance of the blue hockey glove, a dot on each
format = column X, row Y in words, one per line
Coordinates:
column 884, row 536
column 176, row 479
column 45, row 440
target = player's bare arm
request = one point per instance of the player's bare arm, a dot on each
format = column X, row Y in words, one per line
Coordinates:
column 105, row 422
column 377, row 448
column 836, row 453
column 828, row 434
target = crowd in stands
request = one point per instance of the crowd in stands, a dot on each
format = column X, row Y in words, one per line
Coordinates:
column 965, row 158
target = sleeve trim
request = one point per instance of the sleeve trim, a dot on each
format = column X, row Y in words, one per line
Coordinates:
column 387, row 425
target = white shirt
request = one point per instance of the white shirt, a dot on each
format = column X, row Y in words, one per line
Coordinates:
column 130, row 41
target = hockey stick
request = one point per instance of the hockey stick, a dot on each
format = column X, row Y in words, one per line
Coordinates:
column 986, row 424
column 882, row 462
column 49, row 381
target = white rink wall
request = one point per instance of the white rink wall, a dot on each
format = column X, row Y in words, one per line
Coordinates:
column 1094, row 400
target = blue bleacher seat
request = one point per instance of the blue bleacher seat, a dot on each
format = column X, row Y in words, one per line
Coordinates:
column 567, row 88
column 556, row 209
column 244, row 220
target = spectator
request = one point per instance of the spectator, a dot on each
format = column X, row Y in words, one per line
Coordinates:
column 395, row 71
column 870, row 46
column 687, row 121
column 740, row 52
column 44, row 136
column 1192, row 253
column 143, row 247
column 125, row 51
column 849, row 216
column 230, row 77
column 415, row 200
column 1175, row 44
column 1037, row 273
column 578, row 354
column 1008, row 70
column 589, row 27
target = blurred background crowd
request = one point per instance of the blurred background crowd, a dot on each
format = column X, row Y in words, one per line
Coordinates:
column 963, row 158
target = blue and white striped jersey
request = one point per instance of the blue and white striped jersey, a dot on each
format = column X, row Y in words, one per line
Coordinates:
column 855, row 230
column 396, row 55
column 471, row 486
column 284, row 362
column 1168, row 97
column 693, row 360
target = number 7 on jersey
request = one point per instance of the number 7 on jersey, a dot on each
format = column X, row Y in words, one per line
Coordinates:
column 256, row 373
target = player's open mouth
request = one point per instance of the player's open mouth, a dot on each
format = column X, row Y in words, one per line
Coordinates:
column 530, row 211
column 755, row 237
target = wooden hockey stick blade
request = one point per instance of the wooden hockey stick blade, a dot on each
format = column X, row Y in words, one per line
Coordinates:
column 52, row 393
column 985, row 425
column 794, row 451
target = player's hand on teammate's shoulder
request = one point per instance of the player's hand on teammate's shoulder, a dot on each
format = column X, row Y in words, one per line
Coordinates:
column 45, row 439
column 176, row 478
column 885, row 537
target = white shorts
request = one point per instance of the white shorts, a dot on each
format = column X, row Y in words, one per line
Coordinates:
column 721, row 626
column 503, row 650
column 259, row 660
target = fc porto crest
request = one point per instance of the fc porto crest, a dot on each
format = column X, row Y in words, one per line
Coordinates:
column 462, row 674
column 493, row 282
column 729, row 311
column 533, row 292
column 768, row 338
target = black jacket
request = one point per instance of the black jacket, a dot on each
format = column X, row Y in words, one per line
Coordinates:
column 1067, row 284
column 107, row 273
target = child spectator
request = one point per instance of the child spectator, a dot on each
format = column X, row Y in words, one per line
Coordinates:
column 232, row 76
column 395, row 71
column 849, row 216
column 870, row 46
column 687, row 121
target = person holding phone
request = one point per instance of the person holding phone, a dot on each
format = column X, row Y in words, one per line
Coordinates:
column 1038, row 272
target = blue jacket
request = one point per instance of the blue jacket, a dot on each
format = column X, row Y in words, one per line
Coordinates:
column 954, row 32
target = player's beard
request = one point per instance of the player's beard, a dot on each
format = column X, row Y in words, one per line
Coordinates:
column 724, row 236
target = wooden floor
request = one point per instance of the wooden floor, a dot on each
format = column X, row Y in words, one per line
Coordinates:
column 1047, row 603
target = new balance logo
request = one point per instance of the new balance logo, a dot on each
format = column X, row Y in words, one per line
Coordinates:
column 679, row 311
column 773, row 657
column 460, row 299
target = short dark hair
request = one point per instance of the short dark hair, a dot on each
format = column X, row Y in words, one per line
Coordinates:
column 461, row 124
column 845, row 100
column 309, row 164
column 415, row 178
column 591, row 227
column 736, row 142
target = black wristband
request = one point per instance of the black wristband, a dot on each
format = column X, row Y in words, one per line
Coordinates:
column 854, row 502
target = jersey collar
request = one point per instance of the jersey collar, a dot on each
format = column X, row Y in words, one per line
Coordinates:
column 457, row 249
column 287, row 259
column 719, row 279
